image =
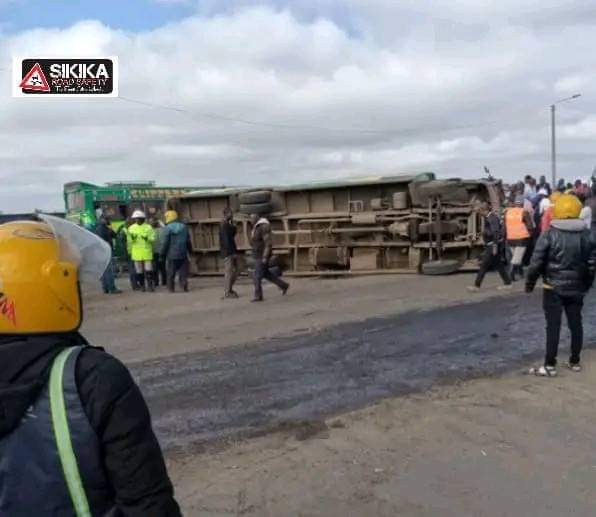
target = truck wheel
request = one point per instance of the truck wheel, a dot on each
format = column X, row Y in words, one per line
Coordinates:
column 256, row 208
column 256, row 196
column 441, row 267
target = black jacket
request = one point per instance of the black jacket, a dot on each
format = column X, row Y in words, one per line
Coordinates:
column 106, row 233
column 114, row 406
column 493, row 230
column 176, row 241
column 227, row 239
column 261, row 241
column 565, row 257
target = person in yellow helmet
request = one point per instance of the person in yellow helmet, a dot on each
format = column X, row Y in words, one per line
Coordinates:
column 176, row 247
column 565, row 257
column 75, row 432
column 141, row 236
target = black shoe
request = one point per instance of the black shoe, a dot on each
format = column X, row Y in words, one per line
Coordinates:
column 284, row 290
column 231, row 295
column 257, row 300
column 115, row 291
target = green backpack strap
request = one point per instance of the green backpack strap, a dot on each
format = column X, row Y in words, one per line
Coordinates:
column 68, row 459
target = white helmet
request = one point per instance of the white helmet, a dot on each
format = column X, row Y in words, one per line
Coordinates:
column 138, row 214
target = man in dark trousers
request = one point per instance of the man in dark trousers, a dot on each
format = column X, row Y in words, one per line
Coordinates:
column 122, row 236
column 75, row 431
column 108, row 279
column 261, row 251
column 160, row 275
column 175, row 248
column 229, row 252
column 493, row 255
column 519, row 229
column 564, row 257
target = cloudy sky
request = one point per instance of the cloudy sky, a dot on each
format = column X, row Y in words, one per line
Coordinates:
column 246, row 92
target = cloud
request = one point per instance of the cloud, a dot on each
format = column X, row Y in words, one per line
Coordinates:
column 285, row 91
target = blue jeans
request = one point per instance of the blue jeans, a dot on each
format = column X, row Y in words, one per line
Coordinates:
column 108, row 279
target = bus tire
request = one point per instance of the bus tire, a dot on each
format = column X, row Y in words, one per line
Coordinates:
column 254, row 197
column 256, row 208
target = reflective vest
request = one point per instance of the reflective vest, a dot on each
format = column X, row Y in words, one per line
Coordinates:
column 141, row 238
column 514, row 224
column 546, row 219
column 50, row 465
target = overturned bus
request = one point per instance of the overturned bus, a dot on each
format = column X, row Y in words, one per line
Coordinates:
column 397, row 224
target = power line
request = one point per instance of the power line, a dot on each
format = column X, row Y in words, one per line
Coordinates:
column 293, row 126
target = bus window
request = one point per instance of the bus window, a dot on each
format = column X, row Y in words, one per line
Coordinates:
column 76, row 201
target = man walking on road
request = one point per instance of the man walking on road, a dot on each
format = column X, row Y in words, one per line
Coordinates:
column 229, row 252
column 565, row 258
column 261, row 251
column 519, row 227
column 108, row 279
column 493, row 254
column 175, row 248
column 140, row 237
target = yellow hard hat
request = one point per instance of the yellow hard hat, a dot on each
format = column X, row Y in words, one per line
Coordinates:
column 567, row 207
column 40, row 269
column 171, row 216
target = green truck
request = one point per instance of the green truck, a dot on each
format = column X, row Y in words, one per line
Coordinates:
column 86, row 202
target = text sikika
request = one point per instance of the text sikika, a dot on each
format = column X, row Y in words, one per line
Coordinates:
column 79, row 71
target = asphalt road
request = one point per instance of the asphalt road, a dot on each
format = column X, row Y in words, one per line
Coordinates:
column 198, row 399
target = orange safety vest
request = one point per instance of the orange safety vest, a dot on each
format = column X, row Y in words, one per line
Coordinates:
column 514, row 224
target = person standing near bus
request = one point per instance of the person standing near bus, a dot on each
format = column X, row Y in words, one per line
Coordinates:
column 229, row 252
column 159, row 261
column 176, row 247
column 108, row 279
column 141, row 237
column 518, row 231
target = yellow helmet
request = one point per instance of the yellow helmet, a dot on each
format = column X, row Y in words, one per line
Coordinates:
column 171, row 216
column 40, row 270
column 567, row 206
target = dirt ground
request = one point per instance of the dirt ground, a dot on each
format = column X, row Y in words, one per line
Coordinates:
column 513, row 446
column 507, row 446
column 137, row 326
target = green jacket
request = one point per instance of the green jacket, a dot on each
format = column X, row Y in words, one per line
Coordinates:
column 140, row 242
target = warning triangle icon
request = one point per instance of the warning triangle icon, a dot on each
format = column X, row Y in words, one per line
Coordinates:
column 35, row 80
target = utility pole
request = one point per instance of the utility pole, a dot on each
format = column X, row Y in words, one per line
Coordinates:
column 553, row 147
column 553, row 141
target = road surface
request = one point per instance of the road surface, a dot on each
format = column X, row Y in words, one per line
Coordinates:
column 201, row 398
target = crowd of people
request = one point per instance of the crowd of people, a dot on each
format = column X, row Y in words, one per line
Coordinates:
column 156, row 252
column 551, row 233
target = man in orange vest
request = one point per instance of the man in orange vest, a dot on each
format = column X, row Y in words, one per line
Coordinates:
column 518, row 230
